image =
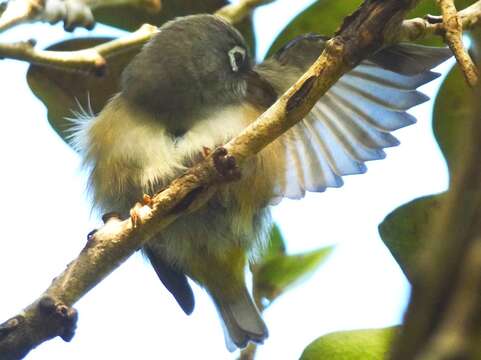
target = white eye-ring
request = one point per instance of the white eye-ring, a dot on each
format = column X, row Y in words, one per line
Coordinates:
column 237, row 56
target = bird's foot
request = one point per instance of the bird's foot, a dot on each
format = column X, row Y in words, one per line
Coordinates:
column 206, row 151
column 225, row 164
column 147, row 200
column 135, row 215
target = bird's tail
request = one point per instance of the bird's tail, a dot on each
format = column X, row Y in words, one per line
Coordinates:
column 241, row 319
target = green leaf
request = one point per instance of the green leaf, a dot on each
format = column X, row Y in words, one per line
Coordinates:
column 407, row 228
column 430, row 7
column 453, row 111
column 372, row 344
column 281, row 272
column 276, row 247
column 323, row 17
column 131, row 17
column 62, row 91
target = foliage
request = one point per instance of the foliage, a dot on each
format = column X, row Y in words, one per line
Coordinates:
column 332, row 14
column 61, row 91
column 407, row 228
column 431, row 7
column 277, row 271
column 372, row 344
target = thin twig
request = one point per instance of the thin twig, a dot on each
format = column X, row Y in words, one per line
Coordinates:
column 74, row 13
column 153, row 6
column 23, row 11
column 420, row 28
column 249, row 353
column 454, row 38
column 91, row 60
column 20, row 11
column 234, row 13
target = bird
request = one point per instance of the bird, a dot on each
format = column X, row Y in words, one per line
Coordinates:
column 195, row 86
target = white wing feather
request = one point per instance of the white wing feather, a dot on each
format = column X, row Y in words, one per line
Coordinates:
column 350, row 125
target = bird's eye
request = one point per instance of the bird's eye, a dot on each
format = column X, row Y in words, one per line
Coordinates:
column 237, row 58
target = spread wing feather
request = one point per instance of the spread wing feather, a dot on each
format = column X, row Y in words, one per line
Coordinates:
column 351, row 123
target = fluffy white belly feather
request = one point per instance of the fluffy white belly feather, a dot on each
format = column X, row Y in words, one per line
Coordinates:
column 130, row 154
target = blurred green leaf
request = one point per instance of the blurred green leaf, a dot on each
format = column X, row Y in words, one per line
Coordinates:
column 407, row 228
column 130, row 17
column 372, row 344
column 276, row 245
column 323, row 17
column 453, row 110
column 276, row 275
column 63, row 91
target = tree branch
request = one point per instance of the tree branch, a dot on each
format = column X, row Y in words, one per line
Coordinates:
column 420, row 28
column 454, row 38
column 362, row 33
column 93, row 60
column 18, row 12
column 22, row 11
column 74, row 13
column 234, row 13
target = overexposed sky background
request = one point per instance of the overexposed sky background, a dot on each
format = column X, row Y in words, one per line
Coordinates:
column 45, row 218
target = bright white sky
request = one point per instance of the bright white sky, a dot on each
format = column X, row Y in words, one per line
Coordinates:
column 45, row 219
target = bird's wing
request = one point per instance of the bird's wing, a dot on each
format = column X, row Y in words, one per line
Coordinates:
column 353, row 121
column 174, row 280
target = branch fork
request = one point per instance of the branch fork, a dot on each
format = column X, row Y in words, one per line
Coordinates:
column 454, row 38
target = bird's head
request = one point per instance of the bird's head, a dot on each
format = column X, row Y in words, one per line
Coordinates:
column 191, row 65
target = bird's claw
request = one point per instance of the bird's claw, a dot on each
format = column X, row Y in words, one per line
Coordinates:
column 206, row 151
column 74, row 13
column 135, row 215
column 147, row 200
column 226, row 164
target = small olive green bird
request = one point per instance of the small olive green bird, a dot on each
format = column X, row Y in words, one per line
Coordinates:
column 195, row 86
